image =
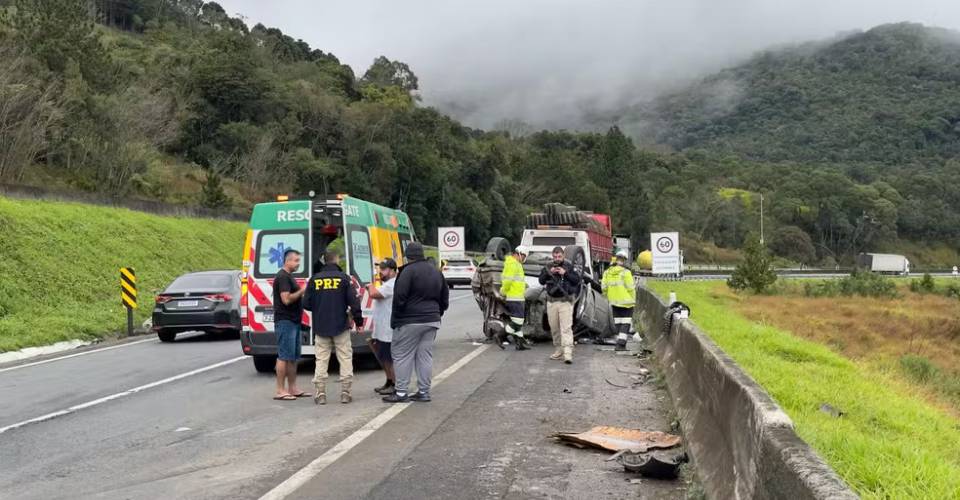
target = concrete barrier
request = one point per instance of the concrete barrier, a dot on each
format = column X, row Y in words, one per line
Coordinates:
column 742, row 444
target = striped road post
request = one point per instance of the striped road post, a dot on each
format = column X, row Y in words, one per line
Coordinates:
column 128, row 294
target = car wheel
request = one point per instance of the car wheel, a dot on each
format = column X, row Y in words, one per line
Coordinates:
column 265, row 364
column 498, row 248
column 167, row 336
column 575, row 255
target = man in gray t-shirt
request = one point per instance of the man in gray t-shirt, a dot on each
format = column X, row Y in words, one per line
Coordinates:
column 382, row 332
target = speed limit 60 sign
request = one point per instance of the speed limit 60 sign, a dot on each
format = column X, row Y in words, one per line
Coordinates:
column 451, row 243
column 665, row 248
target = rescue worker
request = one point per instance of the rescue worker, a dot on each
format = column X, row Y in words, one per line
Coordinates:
column 562, row 284
column 513, row 289
column 618, row 288
column 330, row 293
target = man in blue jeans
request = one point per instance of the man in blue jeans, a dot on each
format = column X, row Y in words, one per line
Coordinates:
column 286, row 316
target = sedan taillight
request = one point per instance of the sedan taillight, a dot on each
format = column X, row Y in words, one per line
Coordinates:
column 219, row 297
column 163, row 299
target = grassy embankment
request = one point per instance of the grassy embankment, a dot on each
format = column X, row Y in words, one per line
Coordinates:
column 891, row 442
column 59, row 265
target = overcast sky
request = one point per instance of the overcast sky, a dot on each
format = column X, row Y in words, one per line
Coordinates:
column 547, row 61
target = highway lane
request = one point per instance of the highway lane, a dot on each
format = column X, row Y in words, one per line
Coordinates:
column 218, row 434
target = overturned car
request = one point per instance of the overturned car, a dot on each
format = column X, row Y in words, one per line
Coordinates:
column 593, row 316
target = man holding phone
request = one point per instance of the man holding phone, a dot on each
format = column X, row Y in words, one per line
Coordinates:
column 562, row 284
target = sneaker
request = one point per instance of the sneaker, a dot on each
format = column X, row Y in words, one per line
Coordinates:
column 396, row 398
column 320, row 399
column 421, row 397
column 568, row 361
column 556, row 355
column 346, row 398
column 386, row 388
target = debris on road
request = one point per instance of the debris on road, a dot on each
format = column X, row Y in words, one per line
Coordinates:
column 657, row 464
column 615, row 384
column 566, row 391
column 619, row 438
column 641, row 371
column 831, row 410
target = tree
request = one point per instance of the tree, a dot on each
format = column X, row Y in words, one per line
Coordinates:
column 60, row 31
column 755, row 272
column 793, row 243
column 386, row 73
column 213, row 196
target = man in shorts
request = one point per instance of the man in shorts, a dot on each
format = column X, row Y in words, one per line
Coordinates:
column 382, row 332
column 286, row 316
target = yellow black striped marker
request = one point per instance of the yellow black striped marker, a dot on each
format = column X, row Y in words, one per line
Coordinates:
column 128, row 287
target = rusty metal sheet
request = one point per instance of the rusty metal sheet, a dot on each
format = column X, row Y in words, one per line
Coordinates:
column 619, row 438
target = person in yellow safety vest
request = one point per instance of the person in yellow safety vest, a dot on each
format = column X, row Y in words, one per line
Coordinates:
column 617, row 284
column 513, row 289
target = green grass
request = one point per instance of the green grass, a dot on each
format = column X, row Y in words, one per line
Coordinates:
column 889, row 444
column 59, row 265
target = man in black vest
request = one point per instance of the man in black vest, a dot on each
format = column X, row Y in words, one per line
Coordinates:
column 329, row 295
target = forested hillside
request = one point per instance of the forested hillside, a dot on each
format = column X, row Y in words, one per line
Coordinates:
column 890, row 95
column 174, row 100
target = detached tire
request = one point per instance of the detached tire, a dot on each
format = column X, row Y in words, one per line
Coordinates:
column 265, row 364
column 166, row 336
column 498, row 248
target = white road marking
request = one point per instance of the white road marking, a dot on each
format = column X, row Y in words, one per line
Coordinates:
column 304, row 475
column 84, row 353
column 128, row 392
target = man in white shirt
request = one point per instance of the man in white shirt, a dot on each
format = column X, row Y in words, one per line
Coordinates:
column 382, row 332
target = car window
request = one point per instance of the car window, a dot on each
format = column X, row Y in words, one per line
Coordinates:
column 361, row 259
column 271, row 248
column 459, row 263
column 556, row 241
column 206, row 282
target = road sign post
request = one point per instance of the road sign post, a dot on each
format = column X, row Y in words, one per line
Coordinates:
column 450, row 243
column 665, row 248
column 128, row 294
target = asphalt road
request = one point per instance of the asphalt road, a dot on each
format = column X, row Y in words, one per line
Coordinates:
column 193, row 419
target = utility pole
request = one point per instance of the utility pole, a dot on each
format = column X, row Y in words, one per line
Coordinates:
column 761, row 218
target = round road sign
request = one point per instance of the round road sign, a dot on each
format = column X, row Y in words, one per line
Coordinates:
column 451, row 239
column 665, row 245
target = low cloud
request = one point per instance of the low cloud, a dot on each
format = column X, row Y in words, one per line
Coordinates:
column 566, row 63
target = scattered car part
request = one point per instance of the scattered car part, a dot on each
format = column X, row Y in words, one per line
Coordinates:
column 676, row 310
column 657, row 464
column 831, row 410
column 620, row 438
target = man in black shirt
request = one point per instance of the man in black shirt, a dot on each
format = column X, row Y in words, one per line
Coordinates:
column 286, row 318
column 330, row 293
column 562, row 284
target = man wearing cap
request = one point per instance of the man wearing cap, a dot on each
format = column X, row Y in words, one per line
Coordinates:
column 618, row 288
column 382, row 331
column 420, row 297
column 330, row 293
column 286, row 317
column 513, row 288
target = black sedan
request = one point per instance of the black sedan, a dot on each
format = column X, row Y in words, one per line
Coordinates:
column 207, row 301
